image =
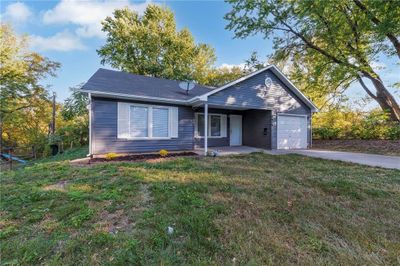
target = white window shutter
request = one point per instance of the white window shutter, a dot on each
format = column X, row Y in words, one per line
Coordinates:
column 223, row 126
column 174, row 122
column 123, row 120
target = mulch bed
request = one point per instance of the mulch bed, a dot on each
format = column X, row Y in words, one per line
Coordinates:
column 143, row 157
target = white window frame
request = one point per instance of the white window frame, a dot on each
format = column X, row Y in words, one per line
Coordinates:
column 149, row 122
column 196, row 126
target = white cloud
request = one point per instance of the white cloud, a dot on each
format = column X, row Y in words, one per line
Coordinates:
column 17, row 12
column 230, row 66
column 87, row 15
column 62, row 41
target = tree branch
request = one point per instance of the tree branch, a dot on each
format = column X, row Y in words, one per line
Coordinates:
column 377, row 22
column 317, row 48
column 373, row 96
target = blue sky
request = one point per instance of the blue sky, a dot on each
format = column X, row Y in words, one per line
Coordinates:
column 69, row 32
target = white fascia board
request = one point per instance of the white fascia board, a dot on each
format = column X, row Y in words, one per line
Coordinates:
column 133, row 97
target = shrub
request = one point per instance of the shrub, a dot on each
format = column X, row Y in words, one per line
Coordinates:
column 393, row 132
column 163, row 153
column 111, row 155
column 326, row 133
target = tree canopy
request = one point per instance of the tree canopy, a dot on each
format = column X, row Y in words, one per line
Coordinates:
column 329, row 43
column 152, row 45
column 21, row 71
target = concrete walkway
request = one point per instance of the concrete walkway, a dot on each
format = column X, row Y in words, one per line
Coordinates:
column 391, row 162
column 230, row 150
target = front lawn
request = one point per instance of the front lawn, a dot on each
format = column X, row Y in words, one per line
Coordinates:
column 246, row 209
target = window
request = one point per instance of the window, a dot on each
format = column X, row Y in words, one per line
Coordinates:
column 216, row 125
column 139, row 121
column 160, row 122
column 200, row 125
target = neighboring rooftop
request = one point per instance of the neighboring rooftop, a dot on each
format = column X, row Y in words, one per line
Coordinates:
column 111, row 81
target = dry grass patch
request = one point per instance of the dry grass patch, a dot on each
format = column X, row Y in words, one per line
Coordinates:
column 59, row 186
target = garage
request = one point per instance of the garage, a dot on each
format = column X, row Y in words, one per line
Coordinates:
column 292, row 132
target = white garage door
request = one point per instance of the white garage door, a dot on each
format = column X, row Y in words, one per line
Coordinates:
column 292, row 132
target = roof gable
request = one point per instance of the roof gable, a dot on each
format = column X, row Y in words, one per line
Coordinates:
column 288, row 84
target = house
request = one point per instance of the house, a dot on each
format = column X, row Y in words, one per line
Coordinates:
column 134, row 113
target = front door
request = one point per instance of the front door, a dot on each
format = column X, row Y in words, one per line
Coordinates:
column 235, row 135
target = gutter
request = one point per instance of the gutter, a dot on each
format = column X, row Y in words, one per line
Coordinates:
column 133, row 97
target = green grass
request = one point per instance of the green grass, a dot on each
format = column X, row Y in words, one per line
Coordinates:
column 248, row 209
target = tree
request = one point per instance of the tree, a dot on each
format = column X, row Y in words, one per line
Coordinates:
column 223, row 75
column 152, row 45
column 75, row 105
column 327, row 40
column 21, row 71
column 385, row 20
column 24, row 102
column 254, row 63
column 74, row 128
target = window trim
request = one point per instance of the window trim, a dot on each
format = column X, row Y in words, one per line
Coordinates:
column 149, row 122
column 196, row 126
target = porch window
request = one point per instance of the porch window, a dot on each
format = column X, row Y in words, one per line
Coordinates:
column 216, row 125
column 200, row 125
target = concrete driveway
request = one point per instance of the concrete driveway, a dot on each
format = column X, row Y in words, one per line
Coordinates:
column 391, row 162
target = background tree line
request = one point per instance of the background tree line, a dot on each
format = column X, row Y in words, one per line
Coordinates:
column 26, row 104
column 323, row 47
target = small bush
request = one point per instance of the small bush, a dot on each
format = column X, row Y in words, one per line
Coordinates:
column 163, row 153
column 111, row 155
column 393, row 132
column 326, row 133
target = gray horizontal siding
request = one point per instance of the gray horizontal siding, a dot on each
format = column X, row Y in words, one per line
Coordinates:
column 252, row 94
column 216, row 142
column 104, row 131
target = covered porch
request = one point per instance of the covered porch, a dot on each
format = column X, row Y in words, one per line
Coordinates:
column 231, row 130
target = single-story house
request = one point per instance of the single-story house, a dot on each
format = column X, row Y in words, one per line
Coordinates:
column 134, row 113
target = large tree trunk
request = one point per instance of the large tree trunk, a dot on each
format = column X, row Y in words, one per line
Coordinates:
column 383, row 97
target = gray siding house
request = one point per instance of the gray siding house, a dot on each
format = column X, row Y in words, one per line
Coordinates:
column 133, row 113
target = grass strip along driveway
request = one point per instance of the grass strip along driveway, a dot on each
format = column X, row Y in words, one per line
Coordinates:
column 245, row 209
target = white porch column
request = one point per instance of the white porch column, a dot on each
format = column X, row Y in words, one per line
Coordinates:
column 90, row 124
column 205, row 128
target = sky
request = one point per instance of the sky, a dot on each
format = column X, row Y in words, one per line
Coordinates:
column 69, row 32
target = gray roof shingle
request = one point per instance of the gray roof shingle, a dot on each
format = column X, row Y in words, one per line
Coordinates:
column 111, row 81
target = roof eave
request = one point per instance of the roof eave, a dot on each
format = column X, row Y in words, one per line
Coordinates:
column 113, row 95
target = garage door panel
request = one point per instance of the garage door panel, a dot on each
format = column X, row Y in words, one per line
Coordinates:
column 292, row 132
